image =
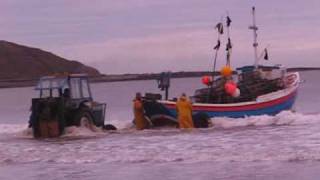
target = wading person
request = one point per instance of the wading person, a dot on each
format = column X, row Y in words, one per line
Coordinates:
column 139, row 119
column 184, row 110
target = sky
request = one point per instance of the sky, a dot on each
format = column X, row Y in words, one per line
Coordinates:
column 143, row 36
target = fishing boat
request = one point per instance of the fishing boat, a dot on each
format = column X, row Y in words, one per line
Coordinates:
column 270, row 103
column 247, row 91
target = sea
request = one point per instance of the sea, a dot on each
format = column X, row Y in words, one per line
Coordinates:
column 285, row 146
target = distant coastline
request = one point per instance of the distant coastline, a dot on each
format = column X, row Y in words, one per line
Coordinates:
column 181, row 74
column 13, row 83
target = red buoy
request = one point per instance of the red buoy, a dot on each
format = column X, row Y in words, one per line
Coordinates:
column 207, row 80
column 230, row 87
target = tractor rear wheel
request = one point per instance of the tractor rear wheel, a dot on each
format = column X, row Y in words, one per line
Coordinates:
column 84, row 119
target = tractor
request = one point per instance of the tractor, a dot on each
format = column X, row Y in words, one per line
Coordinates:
column 65, row 100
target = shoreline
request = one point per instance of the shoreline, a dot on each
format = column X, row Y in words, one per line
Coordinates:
column 17, row 83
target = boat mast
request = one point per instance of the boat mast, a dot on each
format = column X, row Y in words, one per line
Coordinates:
column 229, row 44
column 255, row 36
column 219, row 27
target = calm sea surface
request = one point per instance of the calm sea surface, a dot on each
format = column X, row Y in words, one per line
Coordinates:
column 286, row 146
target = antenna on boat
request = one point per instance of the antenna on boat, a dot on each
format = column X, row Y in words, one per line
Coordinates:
column 255, row 36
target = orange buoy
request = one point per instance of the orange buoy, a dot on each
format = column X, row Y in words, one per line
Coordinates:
column 226, row 71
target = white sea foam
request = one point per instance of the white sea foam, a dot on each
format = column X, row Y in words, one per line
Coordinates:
column 13, row 128
column 283, row 118
column 74, row 131
column 23, row 130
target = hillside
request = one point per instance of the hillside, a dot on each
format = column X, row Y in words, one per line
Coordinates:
column 22, row 62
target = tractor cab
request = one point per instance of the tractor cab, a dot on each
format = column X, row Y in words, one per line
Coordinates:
column 74, row 88
column 64, row 101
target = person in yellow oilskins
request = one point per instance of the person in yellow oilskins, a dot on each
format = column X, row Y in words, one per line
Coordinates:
column 138, row 110
column 184, row 112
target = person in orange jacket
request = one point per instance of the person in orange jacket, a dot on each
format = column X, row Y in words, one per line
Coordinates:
column 184, row 111
column 139, row 119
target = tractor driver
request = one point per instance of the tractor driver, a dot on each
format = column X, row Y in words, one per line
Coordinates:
column 66, row 93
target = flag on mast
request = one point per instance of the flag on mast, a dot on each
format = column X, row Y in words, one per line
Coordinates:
column 266, row 56
column 217, row 46
column 219, row 26
column 229, row 45
column 228, row 49
column 228, row 21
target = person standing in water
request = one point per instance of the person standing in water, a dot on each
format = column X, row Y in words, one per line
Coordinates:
column 139, row 119
column 184, row 111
